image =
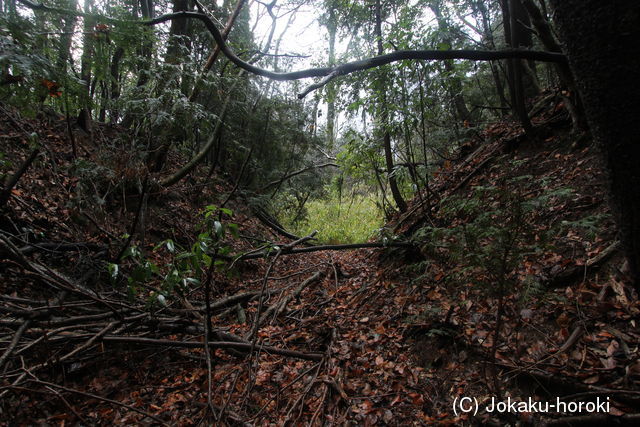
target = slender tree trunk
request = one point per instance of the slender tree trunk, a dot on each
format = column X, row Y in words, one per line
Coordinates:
column 487, row 31
column 455, row 83
column 601, row 41
column 114, row 72
column 178, row 29
column 191, row 164
column 145, row 51
column 522, row 37
column 384, row 120
column 147, row 10
column 545, row 34
column 514, row 36
column 42, row 39
column 332, row 28
column 66, row 39
column 84, row 119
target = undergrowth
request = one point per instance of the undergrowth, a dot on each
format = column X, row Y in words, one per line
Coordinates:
column 340, row 221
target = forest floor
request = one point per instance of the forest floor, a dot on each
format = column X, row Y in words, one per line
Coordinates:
column 365, row 337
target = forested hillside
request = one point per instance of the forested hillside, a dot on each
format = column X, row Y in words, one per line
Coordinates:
column 319, row 212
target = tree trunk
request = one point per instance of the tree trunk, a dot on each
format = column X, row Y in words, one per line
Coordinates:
column 145, row 51
column 514, row 38
column 332, row 28
column 84, row 119
column 601, row 41
column 522, row 37
column 384, row 121
column 66, row 38
column 114, row 71
column 482, row 10
column 178, row 29
column 147, row 10
column 545, row 34
column 455, row 83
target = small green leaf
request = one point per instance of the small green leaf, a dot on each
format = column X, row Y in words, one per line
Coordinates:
column 206, row 259
column 218, row 228
column 113, row 270
column 132, row 251
column 209, row 210
column 184, row 255
column 152, row 268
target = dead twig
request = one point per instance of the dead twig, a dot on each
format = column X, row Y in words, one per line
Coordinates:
column 278, row 308
column 14, row 342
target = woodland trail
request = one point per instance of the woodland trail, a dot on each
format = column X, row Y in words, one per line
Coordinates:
column 368, row 336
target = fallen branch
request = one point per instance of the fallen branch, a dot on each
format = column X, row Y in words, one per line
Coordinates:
column 50, row 276
column 270, row 222
column 95, row 396
column 477, row 169
column 6, row 192
column 553, row 380
column 14, row 342
column 345, row 247
column 577, row 272
column 253, row 335
column 458, row 185
column 213, row 344
column 244, row 296
column 577, row 333
column 62, row 247
column 89, row 343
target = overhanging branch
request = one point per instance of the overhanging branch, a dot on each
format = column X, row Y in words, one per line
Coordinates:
column 329, row 72
column 364, row 64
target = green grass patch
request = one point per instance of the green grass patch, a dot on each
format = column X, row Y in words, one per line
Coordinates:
column 354, row 220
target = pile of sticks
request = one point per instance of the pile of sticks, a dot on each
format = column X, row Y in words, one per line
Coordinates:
column 57, row 321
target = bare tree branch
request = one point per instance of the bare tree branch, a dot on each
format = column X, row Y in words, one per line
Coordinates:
column 298, row 172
